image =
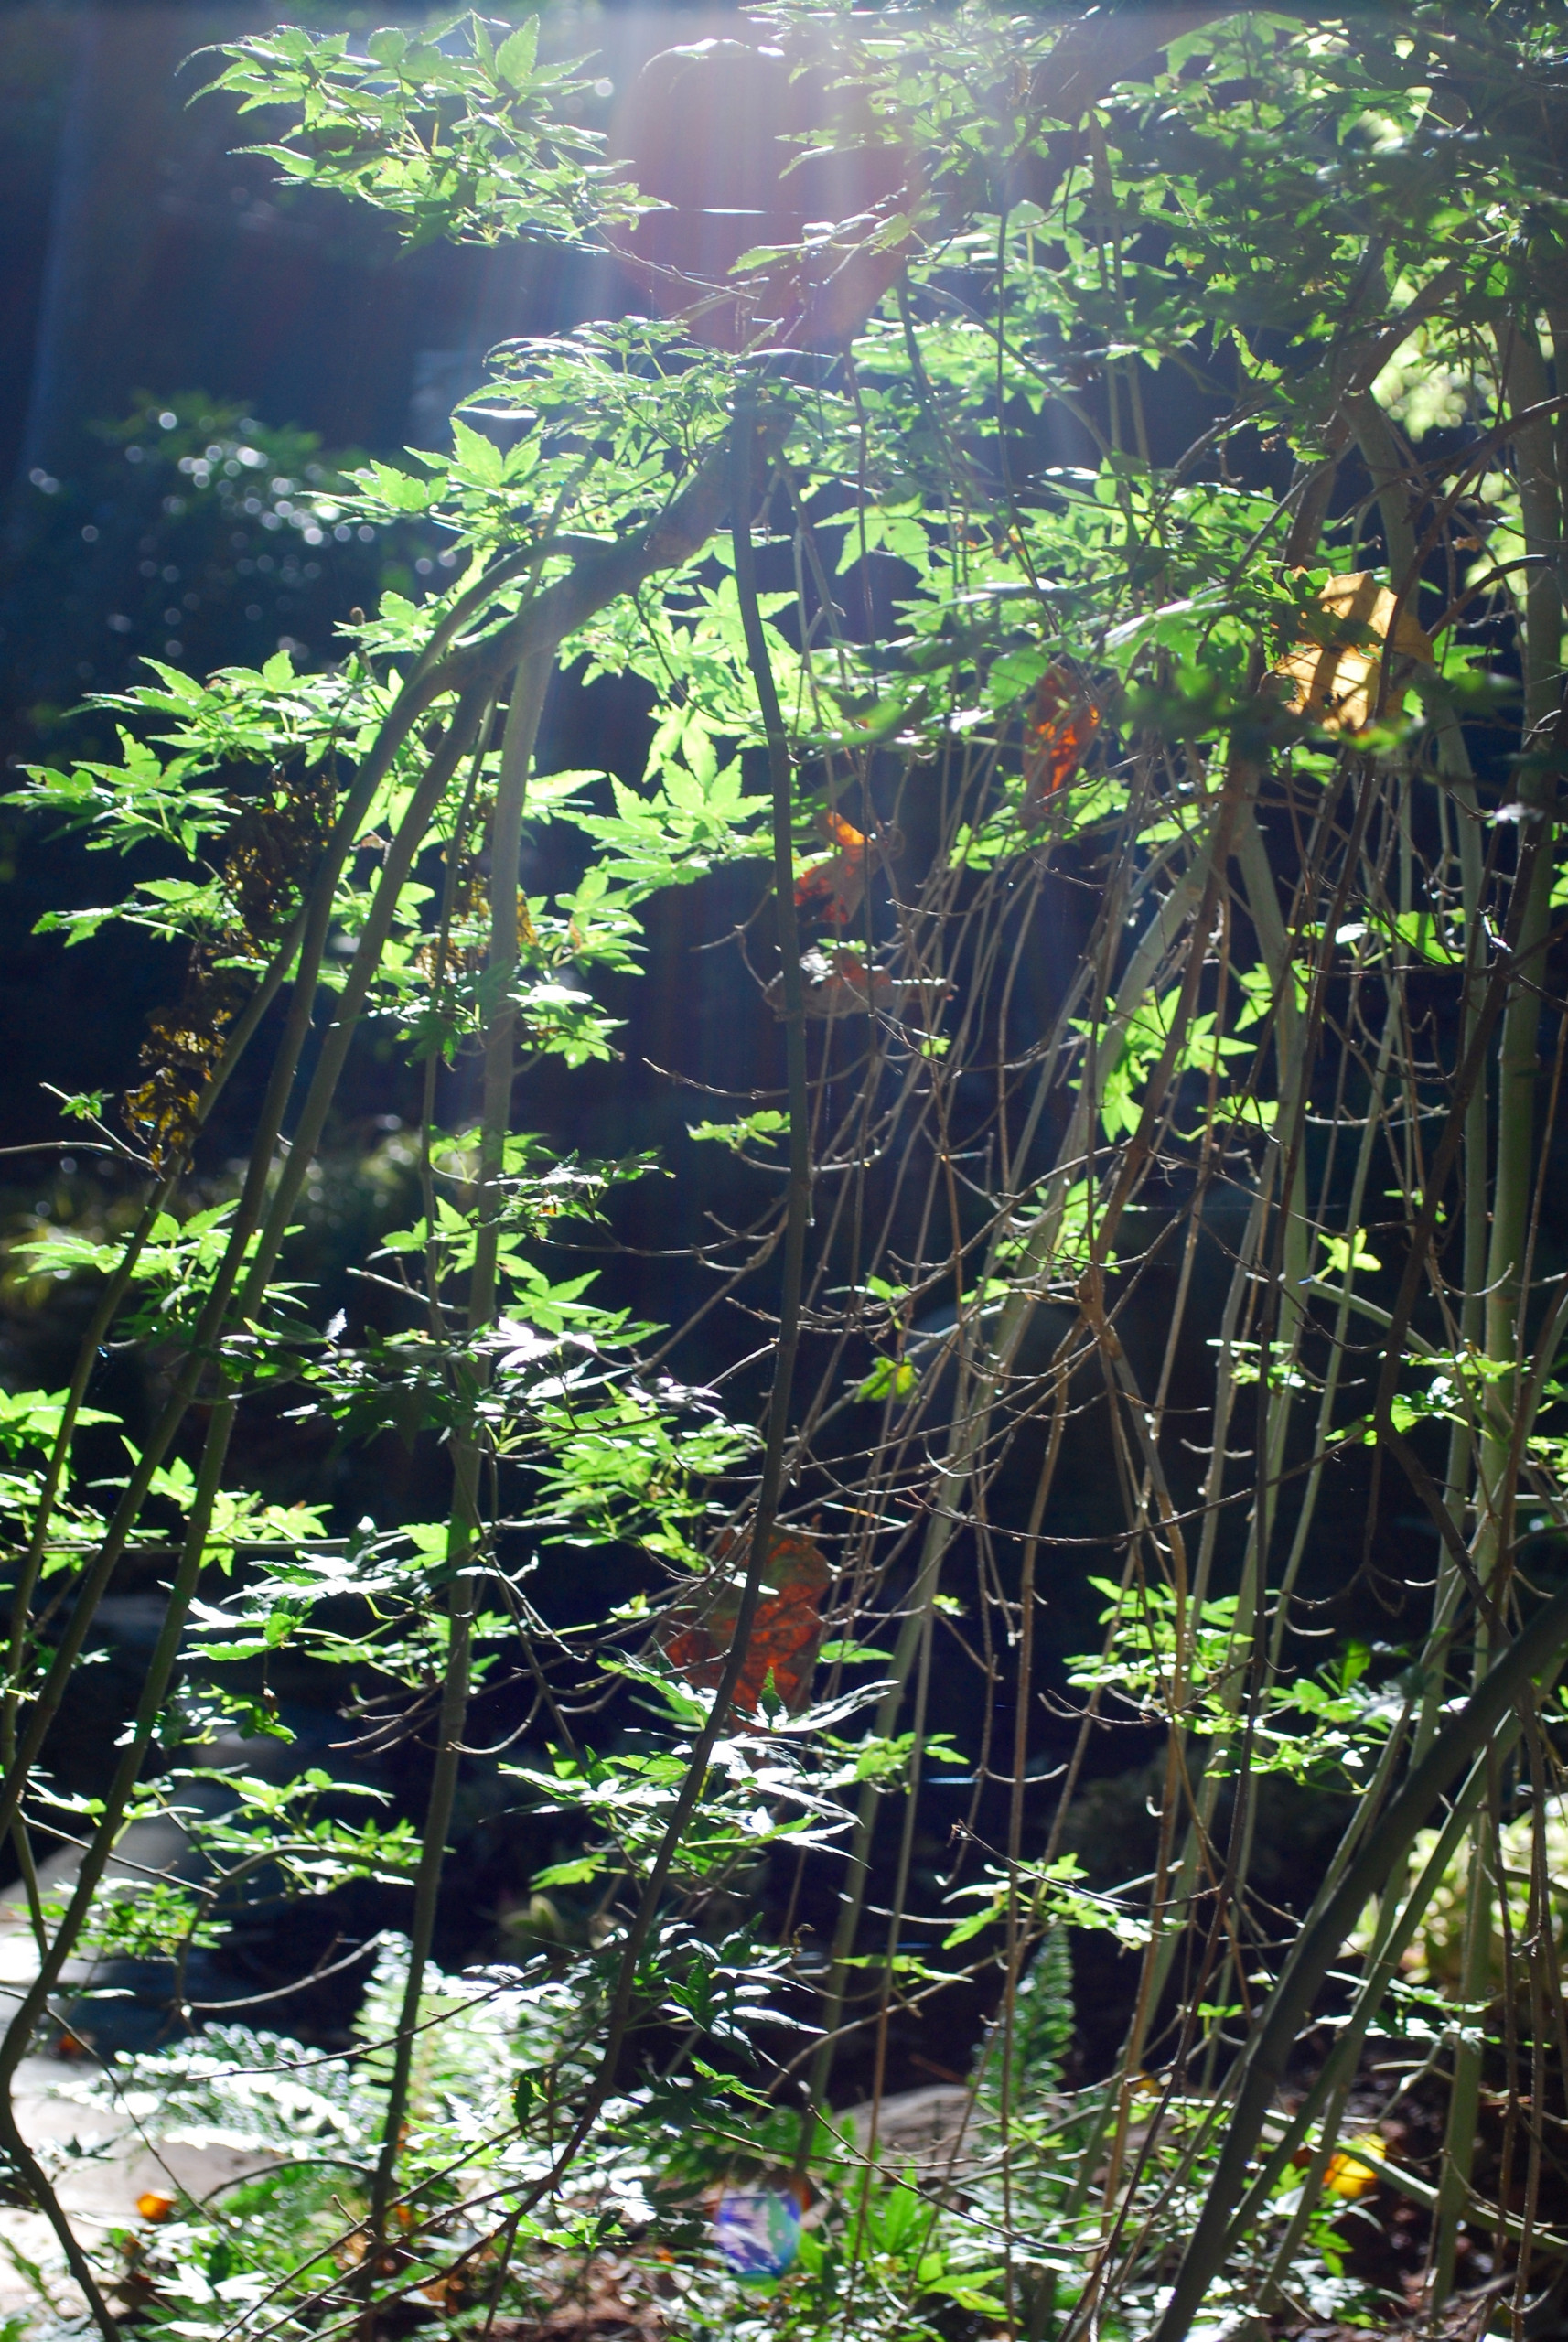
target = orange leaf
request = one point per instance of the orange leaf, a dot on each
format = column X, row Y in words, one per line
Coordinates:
column 1332, row 674
column 834, row 890
column 1056, row 738
column 155, row 2206
column 849, row 841
column 784, row 1636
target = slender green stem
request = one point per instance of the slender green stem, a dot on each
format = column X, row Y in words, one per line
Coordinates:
column 798, row 1207
column 745, row 437
column 1516, row 1172
column 466, row 1528
column 259, row 1267
column 1535, row 1653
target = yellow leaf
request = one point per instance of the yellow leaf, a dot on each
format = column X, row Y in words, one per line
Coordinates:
column 1335, row 680
column 1353, row 2169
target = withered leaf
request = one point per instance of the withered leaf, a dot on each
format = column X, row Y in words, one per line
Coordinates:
column 1059, row 732
column 834, row 889
column 1334, row 672
column 785, row 1633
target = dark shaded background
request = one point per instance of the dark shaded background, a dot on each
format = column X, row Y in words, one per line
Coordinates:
column 142, row 251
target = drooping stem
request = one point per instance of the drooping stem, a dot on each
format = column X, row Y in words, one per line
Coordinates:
column 271, row 1191
column 107, row 1308
column 978, row 1386
column 465, row 1531
column 300, row 949
column 1536, row 1652
column 239, row 1260
column 744, row 437
column 258, row 1265
column 798, row 1209
column 1516, row 1171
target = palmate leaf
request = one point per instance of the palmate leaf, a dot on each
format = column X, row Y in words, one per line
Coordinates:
column 477, row 145
column 32, row 1419
column 693, row 824
column 124, row 805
